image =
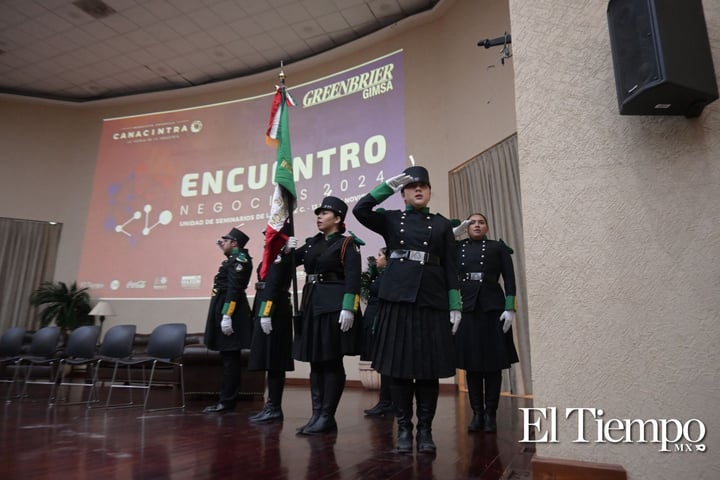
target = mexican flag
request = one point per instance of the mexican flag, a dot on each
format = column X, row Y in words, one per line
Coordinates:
column 279, row 226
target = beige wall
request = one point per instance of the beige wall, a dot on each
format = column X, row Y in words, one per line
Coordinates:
column 459, row 101
column 622, row 239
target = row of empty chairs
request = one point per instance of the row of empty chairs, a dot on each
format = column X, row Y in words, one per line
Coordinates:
column 164, row 349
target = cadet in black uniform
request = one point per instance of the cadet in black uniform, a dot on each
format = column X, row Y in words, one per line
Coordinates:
column 484, row 341
column 330, row 302
column 228, row 327
column 271, row 347
column 419, row 301
column 376, row 267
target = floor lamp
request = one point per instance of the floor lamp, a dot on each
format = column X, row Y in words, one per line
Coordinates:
column 102, row 310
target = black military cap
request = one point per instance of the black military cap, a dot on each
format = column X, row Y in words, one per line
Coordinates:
column 419, row 174
column 238, row 236
column 333, row 204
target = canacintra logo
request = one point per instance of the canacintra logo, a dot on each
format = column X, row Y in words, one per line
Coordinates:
column 159, row 131
column 372, row 83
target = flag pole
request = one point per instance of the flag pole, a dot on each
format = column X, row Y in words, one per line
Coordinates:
column 291, row 207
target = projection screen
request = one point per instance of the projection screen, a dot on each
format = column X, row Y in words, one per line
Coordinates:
column 168, row 184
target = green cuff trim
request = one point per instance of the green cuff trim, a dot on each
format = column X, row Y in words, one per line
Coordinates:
column 266, row 309
column 381, row 192
column 455, row 299
column 510, row 303
column 351, row 301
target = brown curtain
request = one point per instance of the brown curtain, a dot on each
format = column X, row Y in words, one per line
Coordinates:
column 490, row 184
column 28, row 251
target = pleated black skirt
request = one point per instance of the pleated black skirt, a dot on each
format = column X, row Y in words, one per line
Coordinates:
column 367, row 337
column 481, row 344
column 274, row 351
column 320, row 338
column 413, row 342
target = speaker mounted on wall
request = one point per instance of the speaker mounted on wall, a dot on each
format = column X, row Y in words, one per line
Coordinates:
column 661, row 57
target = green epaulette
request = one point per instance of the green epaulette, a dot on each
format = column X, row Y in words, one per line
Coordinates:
column 507, row 247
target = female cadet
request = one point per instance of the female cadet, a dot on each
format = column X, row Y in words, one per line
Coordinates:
column 330, row 302
column 484, row 341
column 228, row 324
column 418, row 295
column 271, row 347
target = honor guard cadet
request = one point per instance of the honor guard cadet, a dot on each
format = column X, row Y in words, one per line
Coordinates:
column 484, row 342
column 331, row 319
column 271, row 348
column 228, row 327
column 420, row 306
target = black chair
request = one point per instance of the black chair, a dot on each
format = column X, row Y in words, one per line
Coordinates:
column 80, row 351
column 10, row 346
column 43, row 352
column 164, row 349
column 117, row 345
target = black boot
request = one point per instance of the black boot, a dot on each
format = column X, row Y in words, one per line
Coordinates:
column 272, row 412
column 426, row 395
column 334, row 385
column 475, row 394
column 316, row 397
column 492, row 399
column 402, row 397
column 384, row 405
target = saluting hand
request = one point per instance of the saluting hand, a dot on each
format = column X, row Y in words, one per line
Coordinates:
column 461, row 229
column 399, row 181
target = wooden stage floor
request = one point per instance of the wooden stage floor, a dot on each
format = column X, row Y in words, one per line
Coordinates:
column 72, row 442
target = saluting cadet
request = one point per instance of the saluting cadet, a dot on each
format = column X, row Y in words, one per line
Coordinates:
column 331, row 318
column 271, row 347
column 484, row 341
column 228, row 327
column 419, row 301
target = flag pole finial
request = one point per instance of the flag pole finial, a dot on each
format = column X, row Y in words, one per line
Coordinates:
column 281, row 75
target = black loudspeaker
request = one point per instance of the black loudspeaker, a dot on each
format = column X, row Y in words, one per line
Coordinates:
column 661, row 56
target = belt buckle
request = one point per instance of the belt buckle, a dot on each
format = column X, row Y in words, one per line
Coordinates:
column 314, row 277
column 416, row 256
column 475, row 276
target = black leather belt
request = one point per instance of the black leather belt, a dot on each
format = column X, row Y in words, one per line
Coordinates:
column 471, row 276
column 324, row 277
column 416, row 256
column 259, row 285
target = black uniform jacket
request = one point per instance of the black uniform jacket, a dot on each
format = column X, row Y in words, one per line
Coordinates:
column 229, row 287
column 321, row 256
column 425, row 284
column 276, row 285
column 492, row 258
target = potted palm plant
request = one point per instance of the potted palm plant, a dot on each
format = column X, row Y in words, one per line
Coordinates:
column 66, row 306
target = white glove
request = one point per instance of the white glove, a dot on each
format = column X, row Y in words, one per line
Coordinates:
column 461, row 229
column 399, row 181
column 507, row 317
column 346, row 320
column 455, row 317
column 291, row 244
column 266, row 325
column 226, row 325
